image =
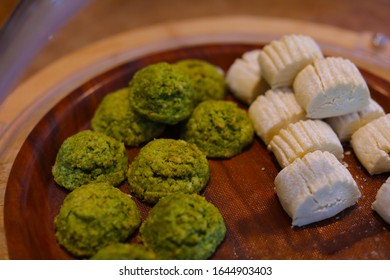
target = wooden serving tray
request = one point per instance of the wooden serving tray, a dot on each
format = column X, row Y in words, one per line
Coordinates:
column 241, row 187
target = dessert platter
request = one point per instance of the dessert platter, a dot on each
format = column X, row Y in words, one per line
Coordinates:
column 241, row 187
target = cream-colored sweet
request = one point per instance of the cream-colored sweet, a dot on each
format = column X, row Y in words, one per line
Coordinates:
column 303, row 137
column 282, row 59
column 244, row 77
column 346, row 125
column 371, row 144
column 315, row 188
column 274, row 111
column 331, row 87
column 382, row 201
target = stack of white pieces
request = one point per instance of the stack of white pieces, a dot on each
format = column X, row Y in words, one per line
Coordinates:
column 311, row 105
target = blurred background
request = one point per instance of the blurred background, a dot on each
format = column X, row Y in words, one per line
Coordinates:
column 103, row 18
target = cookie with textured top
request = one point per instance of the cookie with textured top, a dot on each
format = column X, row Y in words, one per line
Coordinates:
column 273, row 111
column 183, row 226
column 162, row 93
column 331, row 87
column 208, row 79
column 315, row 187
column 219, row 128
column 371, row 144
column 93, row 216
column 303, row 137
column 244, row 77
column 281, row 60
column 348, row 124
column 90, row 156
column 116, row 118
column 166, row 166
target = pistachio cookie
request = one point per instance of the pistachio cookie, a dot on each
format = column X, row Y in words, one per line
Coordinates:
column 162, row 93
column 116, row 118
column 93, row 216
column 124, row 251
column 90, row 156
column 166, row 166
column 183, row 226
column 208, row 80
column 219, row 128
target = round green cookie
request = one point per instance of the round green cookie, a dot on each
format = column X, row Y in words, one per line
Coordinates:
column 90, row 156
column 183, row 226
column 161, row 93
column 208, row 81
column 219, row 128
column 124, row 251
column 116, row 118
column 93, row 216
column 166, row 166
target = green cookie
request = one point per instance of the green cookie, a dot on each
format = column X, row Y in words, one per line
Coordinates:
column 183, row 226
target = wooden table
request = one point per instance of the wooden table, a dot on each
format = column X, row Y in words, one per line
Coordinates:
column 41, row 90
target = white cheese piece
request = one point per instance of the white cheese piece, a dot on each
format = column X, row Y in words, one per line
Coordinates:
column 303, row 137
column 281, row 60
column 371, row 144
column 331, row 87
column 315, row 188
column 382, row 201
column 273, row 111
column 346, row 125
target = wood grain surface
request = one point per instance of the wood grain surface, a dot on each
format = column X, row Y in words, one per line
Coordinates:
column 241, row 187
